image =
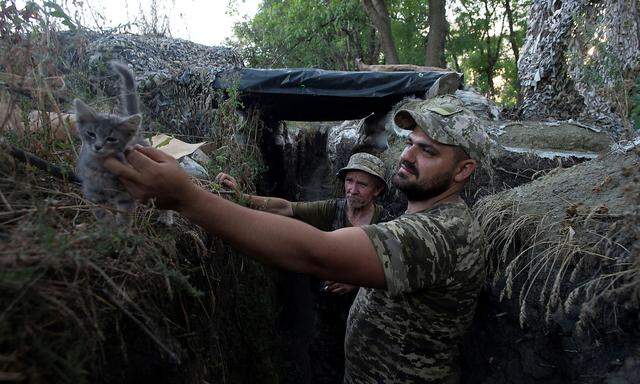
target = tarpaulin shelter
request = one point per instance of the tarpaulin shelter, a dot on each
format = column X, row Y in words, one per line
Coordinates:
column 304, row 94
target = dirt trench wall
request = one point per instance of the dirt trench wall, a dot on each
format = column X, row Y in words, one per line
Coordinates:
column 561, row 303
column 85, row 302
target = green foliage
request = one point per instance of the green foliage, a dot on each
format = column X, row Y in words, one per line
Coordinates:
column 478, row 44
column 330, row 34
column 408, row 26
column 32, row 17
column 55, row 10
column 326, row 34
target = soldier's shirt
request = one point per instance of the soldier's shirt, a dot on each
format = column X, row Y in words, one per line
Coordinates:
column 329, row 215
column 434, row 267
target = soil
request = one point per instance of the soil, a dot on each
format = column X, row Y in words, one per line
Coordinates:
column 598, row 201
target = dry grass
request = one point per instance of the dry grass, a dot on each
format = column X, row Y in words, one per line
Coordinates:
column 66, row 277
column 584, row 267
column 82, row 301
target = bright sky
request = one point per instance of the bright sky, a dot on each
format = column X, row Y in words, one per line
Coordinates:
column 202, row 21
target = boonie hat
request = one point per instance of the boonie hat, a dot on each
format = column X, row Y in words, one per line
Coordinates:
column 446, row 120
column 366, row 163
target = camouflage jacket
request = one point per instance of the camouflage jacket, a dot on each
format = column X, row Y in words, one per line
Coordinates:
column 434, row 267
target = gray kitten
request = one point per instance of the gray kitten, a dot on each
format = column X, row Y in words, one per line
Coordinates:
column 105, row 135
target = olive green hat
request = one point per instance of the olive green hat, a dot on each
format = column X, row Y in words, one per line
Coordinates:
column 446, row 120
column 366, row 163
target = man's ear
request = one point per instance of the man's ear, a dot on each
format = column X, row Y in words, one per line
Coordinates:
column 379, row 188
column 464, row 169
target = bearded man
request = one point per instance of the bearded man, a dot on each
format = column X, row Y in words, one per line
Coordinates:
column 421, row 272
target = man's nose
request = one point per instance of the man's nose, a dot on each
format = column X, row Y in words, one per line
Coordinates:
column 408, row 154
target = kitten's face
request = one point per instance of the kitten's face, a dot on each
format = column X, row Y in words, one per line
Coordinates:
column 104, row 134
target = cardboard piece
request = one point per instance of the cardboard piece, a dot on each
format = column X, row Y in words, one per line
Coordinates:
column 174, row 147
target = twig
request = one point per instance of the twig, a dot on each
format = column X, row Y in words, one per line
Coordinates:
column 6, row 203
column 31, row 159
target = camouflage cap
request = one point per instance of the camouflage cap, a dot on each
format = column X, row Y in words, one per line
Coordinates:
column 366, row 163
column 446, row 120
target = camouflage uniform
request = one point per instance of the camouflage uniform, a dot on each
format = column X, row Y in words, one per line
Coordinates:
column 434, row 267
column 326, row 349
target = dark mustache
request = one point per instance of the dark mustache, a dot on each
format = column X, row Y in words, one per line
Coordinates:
column 409, row 166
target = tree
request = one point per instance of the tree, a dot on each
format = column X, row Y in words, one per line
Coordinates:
column 483, row 41
column 477, row 44
column 307, row 33
column 438, row 28
column 377, row 11
column 513, row 41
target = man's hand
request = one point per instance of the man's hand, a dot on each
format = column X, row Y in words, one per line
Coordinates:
column 152, row 174
column 339, row 288
column 226, row 181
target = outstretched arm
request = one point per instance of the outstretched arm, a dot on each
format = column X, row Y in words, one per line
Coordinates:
column 345, row 255
column 268, row 204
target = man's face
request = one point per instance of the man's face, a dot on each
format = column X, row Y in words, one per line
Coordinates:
column 360, row 189
column 426, row 167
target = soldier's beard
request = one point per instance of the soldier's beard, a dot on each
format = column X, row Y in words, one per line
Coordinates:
column 356, row 202
column 420, row 190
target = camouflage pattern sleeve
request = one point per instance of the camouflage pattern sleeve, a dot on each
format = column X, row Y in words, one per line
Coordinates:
column 416, row 252
column 319, row 214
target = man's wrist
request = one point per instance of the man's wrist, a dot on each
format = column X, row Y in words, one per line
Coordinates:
column 190, row 200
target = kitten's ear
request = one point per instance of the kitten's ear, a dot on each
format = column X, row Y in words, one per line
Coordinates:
column 130, row 124
column 84, row 113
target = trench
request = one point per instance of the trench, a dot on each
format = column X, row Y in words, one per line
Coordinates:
column 495, row 350
column 299, row 170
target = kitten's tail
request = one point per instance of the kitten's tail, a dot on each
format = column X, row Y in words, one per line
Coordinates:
column 130, row 102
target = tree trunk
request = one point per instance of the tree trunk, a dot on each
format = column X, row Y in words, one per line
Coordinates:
column 493, row 50
column 373, row 54
column 377, row 11
column 438, row 28
column 514, row 44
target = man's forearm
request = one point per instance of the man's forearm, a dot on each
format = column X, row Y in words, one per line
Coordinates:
column 270, row 204
column 270, row 238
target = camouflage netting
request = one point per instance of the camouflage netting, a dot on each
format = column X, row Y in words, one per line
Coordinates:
column 581, row 59
column 174, row 76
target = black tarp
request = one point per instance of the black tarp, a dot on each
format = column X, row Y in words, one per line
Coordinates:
column 319, row 95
